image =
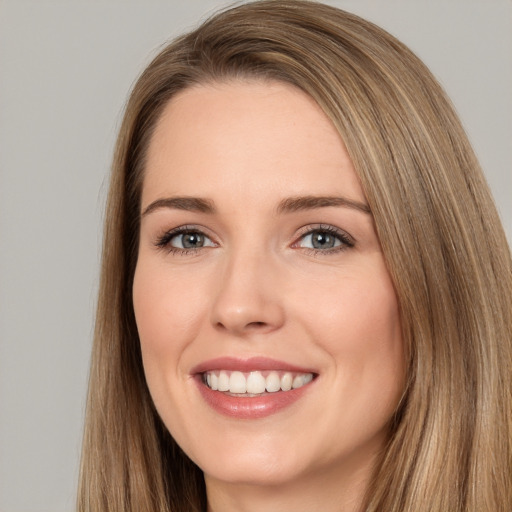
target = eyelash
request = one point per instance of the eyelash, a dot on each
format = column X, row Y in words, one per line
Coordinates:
column 346, row 241
column 164, row 241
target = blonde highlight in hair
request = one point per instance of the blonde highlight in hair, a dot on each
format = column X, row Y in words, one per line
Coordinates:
column 450, row 445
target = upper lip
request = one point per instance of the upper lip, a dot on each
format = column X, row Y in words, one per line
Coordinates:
column 247, row 365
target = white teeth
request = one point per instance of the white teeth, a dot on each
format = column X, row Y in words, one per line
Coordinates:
column 286, row 382
column 237, row 383
column 214, row 383
column 273, row 382
column 223, row 382
column 298, row 381
column 255, row 383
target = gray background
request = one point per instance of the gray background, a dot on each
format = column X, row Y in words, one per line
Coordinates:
column 66, row 67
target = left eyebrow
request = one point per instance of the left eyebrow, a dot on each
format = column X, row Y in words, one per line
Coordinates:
column 191, row 204
column 294, row 204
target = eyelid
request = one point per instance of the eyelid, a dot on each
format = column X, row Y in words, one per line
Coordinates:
column 163, row 240
column 347, row 241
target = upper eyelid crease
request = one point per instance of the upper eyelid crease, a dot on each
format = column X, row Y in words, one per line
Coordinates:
column 342, row 235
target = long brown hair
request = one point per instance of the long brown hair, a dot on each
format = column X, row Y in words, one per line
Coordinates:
column 451, row 443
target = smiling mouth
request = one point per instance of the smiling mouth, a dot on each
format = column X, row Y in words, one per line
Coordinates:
column 254, row 383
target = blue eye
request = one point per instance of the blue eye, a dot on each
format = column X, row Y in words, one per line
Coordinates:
column 320, row 240
column 190, row 240
column 325, row 239
column 184, row 239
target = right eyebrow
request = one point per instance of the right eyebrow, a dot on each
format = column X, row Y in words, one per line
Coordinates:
column 191, row 204
column 294, row 204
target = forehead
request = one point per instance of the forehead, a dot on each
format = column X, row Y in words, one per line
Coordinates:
column 246, row 135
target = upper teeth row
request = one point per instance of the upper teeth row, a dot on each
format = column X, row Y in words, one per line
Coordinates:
column 255, row 382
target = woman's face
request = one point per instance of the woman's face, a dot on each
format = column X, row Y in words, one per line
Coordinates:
column 268, row 322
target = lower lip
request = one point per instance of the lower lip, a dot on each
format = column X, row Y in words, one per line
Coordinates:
column 250, row 407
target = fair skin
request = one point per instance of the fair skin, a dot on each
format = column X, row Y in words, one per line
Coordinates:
column 263, row 277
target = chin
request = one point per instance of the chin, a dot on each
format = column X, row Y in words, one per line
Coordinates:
column 267, row 472
column 267, row 462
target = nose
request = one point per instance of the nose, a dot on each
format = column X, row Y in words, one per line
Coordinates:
column 249, row 299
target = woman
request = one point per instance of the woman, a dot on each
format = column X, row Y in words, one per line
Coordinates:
column 305, row 295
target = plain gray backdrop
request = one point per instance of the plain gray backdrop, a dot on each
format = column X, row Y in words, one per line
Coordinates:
column 66, row 67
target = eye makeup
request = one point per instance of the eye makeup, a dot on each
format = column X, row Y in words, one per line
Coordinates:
column 322, row 239
column 184, row 240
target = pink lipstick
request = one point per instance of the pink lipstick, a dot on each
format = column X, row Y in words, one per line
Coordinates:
column 251, row 388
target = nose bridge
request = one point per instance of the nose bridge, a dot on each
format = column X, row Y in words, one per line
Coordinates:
column 248, row 298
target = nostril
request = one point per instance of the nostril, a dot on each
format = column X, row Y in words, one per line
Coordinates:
column 256, row 324
column 249, row 326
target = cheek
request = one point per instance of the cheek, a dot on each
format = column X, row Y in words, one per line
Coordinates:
column 352, row 305
column 161, row 301
column 358, row 325
column 167, row 312
column 370, row 319
column 168, row 316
